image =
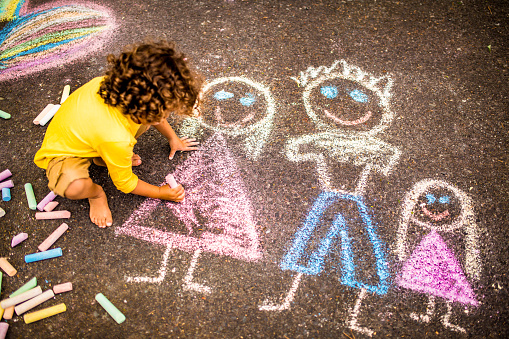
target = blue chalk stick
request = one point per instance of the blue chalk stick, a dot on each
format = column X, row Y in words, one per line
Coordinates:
column 56, row 252
column 6, row 194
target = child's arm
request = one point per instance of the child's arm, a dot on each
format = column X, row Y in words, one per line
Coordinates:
column 164, row 192
column 176, row 144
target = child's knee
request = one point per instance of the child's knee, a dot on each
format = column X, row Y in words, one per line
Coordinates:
column 64, row 171
column 78, row 188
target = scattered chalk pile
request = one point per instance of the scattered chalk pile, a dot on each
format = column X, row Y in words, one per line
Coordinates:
column 51, row 109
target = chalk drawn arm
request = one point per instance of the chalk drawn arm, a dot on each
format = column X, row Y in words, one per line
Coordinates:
column 176, row 143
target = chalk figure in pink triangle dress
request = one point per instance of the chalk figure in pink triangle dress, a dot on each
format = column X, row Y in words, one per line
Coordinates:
column 432, row 267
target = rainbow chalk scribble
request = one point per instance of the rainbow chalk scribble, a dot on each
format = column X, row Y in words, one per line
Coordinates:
column 47, row 37
column 216, row 214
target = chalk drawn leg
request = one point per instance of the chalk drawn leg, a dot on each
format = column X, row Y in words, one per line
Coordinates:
column 189, row 285
column 162, row 271
column 447, row 324
column 352, row 321
column 288, row 300
column 430, row 310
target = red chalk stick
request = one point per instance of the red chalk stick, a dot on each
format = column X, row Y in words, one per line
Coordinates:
column 53, row 215
column 61, row 288
column 50, row 206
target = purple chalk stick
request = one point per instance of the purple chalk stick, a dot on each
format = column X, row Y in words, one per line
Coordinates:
column 5, row 174
column 17, row 239
column 7, row 184
column 46, row 200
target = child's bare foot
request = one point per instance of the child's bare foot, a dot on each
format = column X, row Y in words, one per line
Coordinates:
column 136, row 161
column 100, row 212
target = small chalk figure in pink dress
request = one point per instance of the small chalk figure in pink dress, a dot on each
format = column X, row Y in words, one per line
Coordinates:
column 432, row 267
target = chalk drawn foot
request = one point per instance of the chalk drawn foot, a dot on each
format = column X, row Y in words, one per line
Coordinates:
column 447, row 324
column 189, row 285
column 430, row 310
column 161, row 273
column 354, row 313
column 267, row 306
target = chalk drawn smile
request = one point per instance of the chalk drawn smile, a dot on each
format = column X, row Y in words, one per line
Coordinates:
column 361, row 120
column 434, row 216
column 221, row 122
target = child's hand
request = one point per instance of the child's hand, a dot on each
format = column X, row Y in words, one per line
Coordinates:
column 184, row 144
column 176, row 194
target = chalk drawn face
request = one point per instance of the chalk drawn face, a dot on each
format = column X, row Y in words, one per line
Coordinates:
column 345, row 105
column 437, row 207
column 235, row 104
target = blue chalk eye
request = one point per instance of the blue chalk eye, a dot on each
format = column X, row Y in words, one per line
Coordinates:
column 330, row 92
column 248, row 100
column 223, row 95
column 358, row 96
column 431, row 198
column 444, row 200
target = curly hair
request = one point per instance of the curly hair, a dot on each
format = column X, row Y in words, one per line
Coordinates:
column 150, row 80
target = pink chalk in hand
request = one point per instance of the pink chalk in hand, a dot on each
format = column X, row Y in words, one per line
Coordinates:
column 17, row 239
column 53, row 215
column 50, row 206
column 171, row 181
column 53, row 237
column 61, row 288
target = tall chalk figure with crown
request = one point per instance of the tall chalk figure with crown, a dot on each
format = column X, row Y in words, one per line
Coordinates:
column 349, row 109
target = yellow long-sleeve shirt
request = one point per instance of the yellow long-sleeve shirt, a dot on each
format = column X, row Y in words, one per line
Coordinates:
column 86, row 127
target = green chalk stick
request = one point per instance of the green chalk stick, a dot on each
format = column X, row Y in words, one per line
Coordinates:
column 29, row 190
column 110, row 308
column 4, row 115
column 28, row 286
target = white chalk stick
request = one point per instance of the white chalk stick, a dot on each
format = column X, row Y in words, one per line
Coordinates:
column 2, row 212
column 65, row 93
column 53, row 215
column 7, row 267
column 61, row 288
column 44, row 120
column 29, row 304
column 3, row 329
column 171, row 181
column 43, row 113
column 53, row 237
column 50, row 206
column 21, row 297
column 17, row 239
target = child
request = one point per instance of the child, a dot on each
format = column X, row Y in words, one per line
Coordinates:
column 101, row 121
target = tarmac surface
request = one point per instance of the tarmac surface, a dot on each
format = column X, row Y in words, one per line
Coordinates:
column 351, row 181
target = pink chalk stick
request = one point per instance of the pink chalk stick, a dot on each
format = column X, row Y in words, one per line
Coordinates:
column 46, row 244
column 3, row 329
column 171, row 181
column 5, row 174
column 8, row 184
column 61, row 288
column 45, row 201
column 50, row 206
column 18, row 239
column 53, row 215
column 43, row 113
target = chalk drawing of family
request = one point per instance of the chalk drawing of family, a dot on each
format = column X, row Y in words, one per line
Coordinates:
column 350, row 109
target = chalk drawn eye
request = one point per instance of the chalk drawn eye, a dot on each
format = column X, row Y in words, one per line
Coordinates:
column 330, row 92
column 223, row 95
column 248, row 100
column 358, row 96
column 444, row 199
column 431, row 198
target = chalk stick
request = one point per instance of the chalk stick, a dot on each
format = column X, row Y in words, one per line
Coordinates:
column 1, row 312
column 110, row 308
column 53, row 215
column 29, row 190
column 56, row 252
column 27, row 286
column 3, row 329
column 44, row 120
column 8, row 312
column 8, row 184
column 44, row 313
column 53, row 237
column 6, row 194
column 4, row 115
column 5, row 174
column 61, row 288
column 171, row 181
column 29, row 304
column 46, row 200
column 13, row 301
column 43, row 113
column 50, row 206
column 2, row 212
column 7, row 267
column 65, row 93
column 17, row 239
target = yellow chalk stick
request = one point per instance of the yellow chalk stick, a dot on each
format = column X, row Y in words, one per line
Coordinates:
column 44, row 313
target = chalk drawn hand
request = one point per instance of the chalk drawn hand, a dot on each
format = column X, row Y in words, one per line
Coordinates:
column 182, row 144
